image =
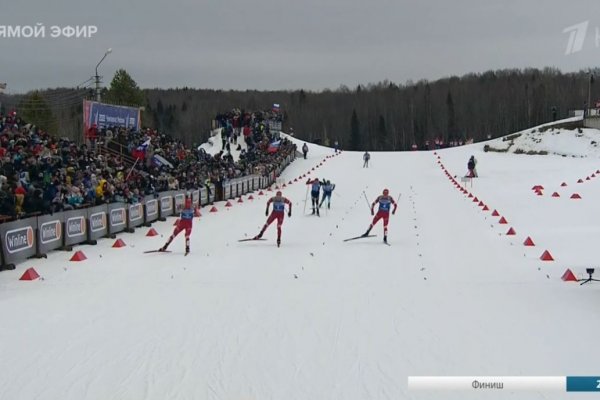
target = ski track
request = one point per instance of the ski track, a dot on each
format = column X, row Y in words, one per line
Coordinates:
column 318, row 318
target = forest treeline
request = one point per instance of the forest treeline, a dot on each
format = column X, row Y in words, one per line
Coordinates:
column 379, row 116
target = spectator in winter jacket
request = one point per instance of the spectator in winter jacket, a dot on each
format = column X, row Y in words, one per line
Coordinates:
column 471, row 167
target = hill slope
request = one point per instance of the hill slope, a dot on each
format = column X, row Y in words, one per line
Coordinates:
column 319, row 318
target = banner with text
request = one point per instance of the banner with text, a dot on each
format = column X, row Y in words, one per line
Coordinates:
column 107, row 115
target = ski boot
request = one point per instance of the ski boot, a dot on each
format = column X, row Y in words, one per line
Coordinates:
column 366, row 233
column 187, row 250
column 163, row 249
column 258, row 236
column 278, row 242
column 385, row 239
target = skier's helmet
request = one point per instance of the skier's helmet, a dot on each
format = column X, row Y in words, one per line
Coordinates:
column 188, row 203
column 386, row 192
column 278, row 193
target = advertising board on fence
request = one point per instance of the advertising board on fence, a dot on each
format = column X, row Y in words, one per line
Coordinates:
column 196, row 197
column 135, row 215
column 117, row 217
column 151, row 210
column 166, row 204
column 97, row 222
column 179, row 201
column 18, row 240
column 211, row 194
column 75, row 227
column 49, row 233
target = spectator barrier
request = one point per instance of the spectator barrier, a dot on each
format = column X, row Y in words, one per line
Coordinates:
column 97, row 222
column 36, row 236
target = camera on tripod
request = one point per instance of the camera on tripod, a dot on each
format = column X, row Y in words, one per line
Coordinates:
column 590, row 272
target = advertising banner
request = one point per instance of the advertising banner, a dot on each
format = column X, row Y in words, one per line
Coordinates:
column 196, row 197
column 108, row 115
column 166, row 204
column 151, row 210
column 203, row 196
column 135, row 215
column 75, row 227
column 97, row 222
column 49, row 233
column 179, row 201
column 18, row 240
column 211, row 195
column 117, row 217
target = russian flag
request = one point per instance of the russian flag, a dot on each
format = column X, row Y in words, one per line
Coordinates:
column 276, row 107
column 140, row 151
column 273, row 147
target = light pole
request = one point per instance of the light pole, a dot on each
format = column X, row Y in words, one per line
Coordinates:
column 2, row 88
column 589, row 101
column 98, row 96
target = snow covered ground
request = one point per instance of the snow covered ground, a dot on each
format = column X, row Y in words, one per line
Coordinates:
column 214, row 145
column 319, row 318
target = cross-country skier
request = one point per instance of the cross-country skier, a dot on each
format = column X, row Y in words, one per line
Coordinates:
column 385, row 201
column 278, row 213
column 315, row 189
column 184, row 223
column 366, row 158
column 328, row 188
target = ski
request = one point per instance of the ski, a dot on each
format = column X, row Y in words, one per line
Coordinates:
column 157, row 251
column 247, row 240
column 358, row 237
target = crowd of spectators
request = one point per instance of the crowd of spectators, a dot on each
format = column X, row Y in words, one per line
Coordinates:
column 41, row 174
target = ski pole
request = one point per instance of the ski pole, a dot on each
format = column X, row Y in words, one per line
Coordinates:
column 305, row 200
column 367, row 200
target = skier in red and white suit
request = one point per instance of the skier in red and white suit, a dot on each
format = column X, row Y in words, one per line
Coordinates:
column 183, row 224
column 385, row 201
column 278, row 214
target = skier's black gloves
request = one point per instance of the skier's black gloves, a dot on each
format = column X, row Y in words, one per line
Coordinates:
column 267, row 213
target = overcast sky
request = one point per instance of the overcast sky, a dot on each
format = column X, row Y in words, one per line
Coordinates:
column 310, row 44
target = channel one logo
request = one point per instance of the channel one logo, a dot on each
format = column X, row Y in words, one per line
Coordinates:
column 577, row 34
column 19, row 239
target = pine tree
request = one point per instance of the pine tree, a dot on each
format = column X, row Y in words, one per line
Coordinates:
column 451, row 122
column 382, row 133
column 354, row 132
column 36, row 111
column 124, row 90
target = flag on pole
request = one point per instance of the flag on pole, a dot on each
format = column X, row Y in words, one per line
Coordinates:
column 140, row 151
column 160, row 161
column 273, row 147
column 144, row 146
column 276, row 107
